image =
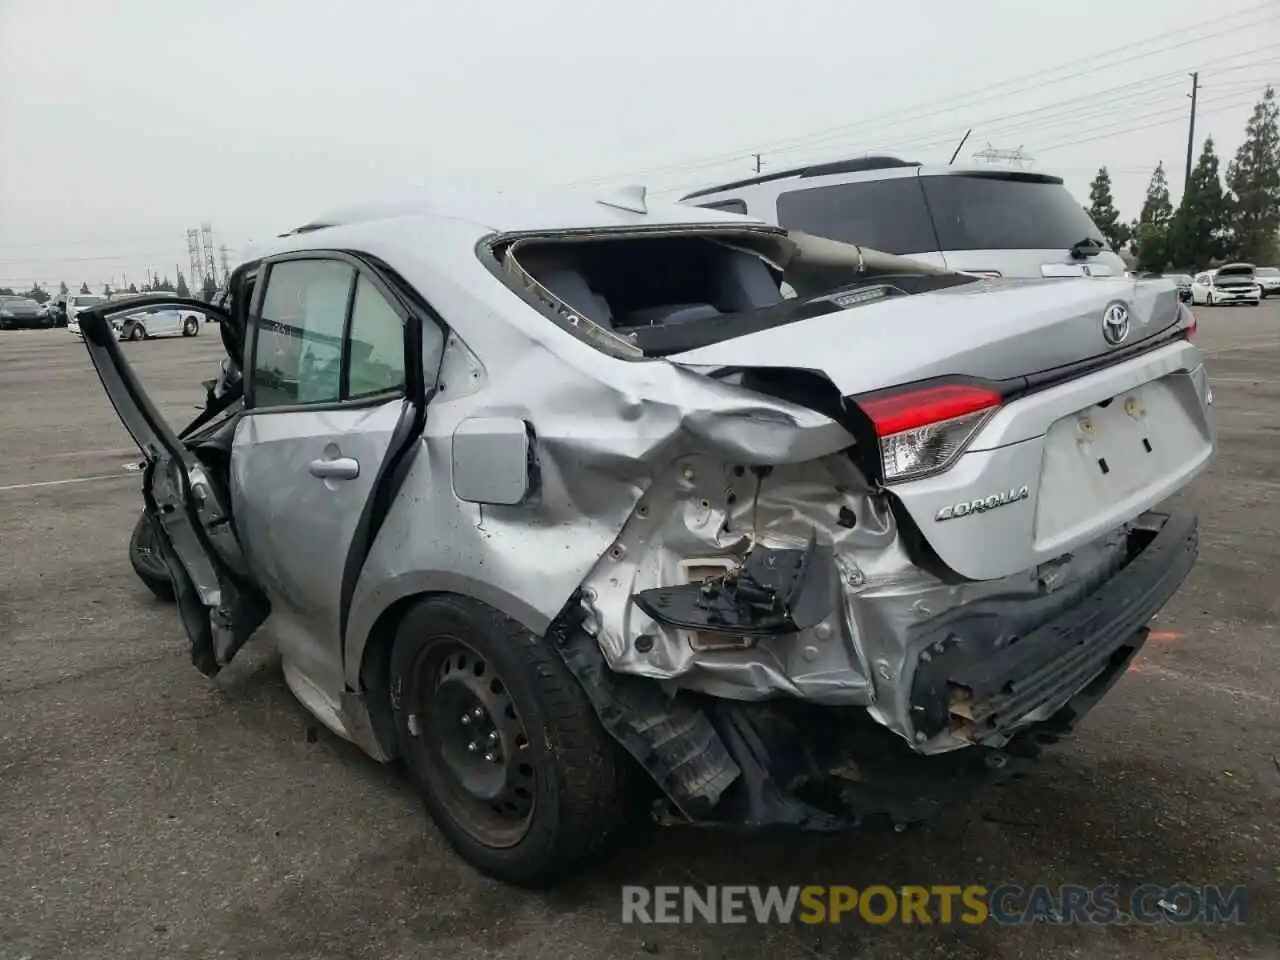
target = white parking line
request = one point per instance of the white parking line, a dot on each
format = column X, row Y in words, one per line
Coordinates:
column 59, row 483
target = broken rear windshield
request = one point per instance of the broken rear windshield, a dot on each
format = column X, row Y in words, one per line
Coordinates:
column 639, row 296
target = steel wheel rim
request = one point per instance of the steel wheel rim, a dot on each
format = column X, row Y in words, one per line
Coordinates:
column 473, row 743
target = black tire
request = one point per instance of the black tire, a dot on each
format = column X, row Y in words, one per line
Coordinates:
column 135, row 331
column 147, row 562
column 190, row 327
column 574, row 777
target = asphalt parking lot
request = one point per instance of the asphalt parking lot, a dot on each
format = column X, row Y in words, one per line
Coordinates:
column 148, row 812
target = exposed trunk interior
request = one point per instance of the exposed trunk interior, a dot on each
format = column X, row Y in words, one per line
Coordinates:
column 668, row 293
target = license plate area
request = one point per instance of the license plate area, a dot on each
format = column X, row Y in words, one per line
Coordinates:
column 1118, row 451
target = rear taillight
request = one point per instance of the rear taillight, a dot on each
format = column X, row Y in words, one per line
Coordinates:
column 923, row 429
column 1190, row 330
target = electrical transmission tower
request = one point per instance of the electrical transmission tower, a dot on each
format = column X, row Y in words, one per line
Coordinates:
column 1015, row 157
column 206, row 235
column 193, row 251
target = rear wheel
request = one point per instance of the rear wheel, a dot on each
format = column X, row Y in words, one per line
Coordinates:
column 136, row 332
column 146, row 560
column 507, row 753
column 1208, row 299
column 190, row 327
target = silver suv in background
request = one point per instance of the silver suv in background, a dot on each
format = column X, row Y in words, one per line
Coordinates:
column 986, row 221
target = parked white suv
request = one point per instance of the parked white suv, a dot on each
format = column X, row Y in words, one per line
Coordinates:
column 987, row 221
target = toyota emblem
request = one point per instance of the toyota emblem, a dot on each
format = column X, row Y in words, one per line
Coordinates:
column 1115, row 324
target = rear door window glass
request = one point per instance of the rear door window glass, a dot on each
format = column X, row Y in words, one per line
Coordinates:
column 377, row 344
column 1001, row 213
column 299, row 348
column 888, row 215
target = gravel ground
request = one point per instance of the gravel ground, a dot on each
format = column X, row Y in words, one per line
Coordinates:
column 148, row 812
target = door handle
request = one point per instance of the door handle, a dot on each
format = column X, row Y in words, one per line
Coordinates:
column 339, row 468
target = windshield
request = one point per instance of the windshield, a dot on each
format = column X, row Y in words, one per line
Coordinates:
column 975, row 212
column 1235, row 270
column 912, row 215
column 889, row 215
column 17, row 302
column 86, row 301
column 1268, row 272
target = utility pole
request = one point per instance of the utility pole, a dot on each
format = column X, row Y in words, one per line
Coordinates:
column 1191, row 130
column 756, row 157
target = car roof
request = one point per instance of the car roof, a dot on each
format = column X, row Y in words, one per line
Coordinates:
column 516, row 211
column 869, row 165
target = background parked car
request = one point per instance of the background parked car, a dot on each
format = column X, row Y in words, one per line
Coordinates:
column 1268, row 280
column 19, row 313
column 1230, row 283
column 980, row 220
column 157, row 323
column 77, row 302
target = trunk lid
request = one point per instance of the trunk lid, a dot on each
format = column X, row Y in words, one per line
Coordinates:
column 993, row 329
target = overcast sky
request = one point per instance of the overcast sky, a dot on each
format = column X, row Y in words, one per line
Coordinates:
column 121, row 125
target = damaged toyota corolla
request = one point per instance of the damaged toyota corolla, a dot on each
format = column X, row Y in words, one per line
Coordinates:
column 571, row 501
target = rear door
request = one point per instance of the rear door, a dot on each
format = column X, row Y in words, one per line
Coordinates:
column 187, row 502
column 334, row 405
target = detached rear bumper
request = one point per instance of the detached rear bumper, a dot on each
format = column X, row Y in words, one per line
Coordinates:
column 978, row 678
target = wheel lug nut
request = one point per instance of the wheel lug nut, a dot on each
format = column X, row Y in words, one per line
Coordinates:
column 478, row 712
column 491, row 757
column 466, row 719
column 473, row 746
column 493, row 736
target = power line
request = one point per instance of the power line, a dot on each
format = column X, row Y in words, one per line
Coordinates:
column 946, row 105
column 1147, row 126
column 939, row 137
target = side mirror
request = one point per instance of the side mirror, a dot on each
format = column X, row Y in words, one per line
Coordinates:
column 494, row 461
column 1184, row 294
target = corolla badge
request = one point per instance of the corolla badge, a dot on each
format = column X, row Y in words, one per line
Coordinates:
column 1115, row 324
column 953, row 511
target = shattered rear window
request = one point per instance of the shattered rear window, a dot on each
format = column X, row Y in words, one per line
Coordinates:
column 637, row 295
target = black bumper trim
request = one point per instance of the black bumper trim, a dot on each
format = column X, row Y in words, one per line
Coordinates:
column 983, row 675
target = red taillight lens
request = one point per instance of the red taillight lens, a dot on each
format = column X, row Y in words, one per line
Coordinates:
column 923, row 429
column 1191, row 328
column 927, row 405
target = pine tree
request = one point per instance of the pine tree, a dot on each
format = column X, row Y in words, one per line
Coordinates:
column 1199, row 233
column 133, row 288
column 1103, row 212
column 1151, row 230
column 106, row 289
column 182, row 289
column 62, row 288
column 1254, row 180
column 84, row 287
column 37, row 293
